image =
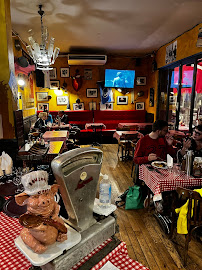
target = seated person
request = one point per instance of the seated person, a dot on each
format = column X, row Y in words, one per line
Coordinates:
column 63, row 117
column 154, row 145
column 151, row 147
column 49, row 117
column 194, row 143
column 40, row 123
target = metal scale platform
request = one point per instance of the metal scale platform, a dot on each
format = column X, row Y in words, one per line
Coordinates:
column 77, row 172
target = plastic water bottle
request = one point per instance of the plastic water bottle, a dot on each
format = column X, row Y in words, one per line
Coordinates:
column 105, row 192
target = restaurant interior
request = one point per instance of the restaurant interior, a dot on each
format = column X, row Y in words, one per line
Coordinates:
column 82, row 87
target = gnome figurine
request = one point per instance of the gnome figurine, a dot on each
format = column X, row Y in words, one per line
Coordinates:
column 42, row 225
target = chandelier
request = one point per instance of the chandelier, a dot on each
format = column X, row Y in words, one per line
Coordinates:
column 42, row 55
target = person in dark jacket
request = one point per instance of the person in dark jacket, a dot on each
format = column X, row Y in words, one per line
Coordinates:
column 63, row 117
column 40, row 123
column 194, row 143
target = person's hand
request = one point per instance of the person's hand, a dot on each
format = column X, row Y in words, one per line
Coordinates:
column 152, row 157
column 169, row 140
column 186, row 144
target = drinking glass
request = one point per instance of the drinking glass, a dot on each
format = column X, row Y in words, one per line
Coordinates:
column 176, row 169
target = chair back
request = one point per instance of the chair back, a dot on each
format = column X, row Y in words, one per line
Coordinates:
column 195, row 203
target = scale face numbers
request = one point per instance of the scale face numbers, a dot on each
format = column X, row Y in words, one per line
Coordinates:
column 83, row 176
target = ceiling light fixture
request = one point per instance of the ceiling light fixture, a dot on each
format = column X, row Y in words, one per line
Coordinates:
column 41, row 56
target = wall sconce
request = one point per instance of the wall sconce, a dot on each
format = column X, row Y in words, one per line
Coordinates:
column 140, row 94
column 21, row 81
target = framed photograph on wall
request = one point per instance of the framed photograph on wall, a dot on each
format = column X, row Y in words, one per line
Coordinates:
column 106, row 106
column 92, row 105
column 64, row 72
column 141, row 81
column 53, row 73
column 54, row 84
column 88, row 74
column 42, row 106
column 91, row 92
column 122, row 100
column 78, row 106
column 139, row 105
column 42, row 96
column 62, row 100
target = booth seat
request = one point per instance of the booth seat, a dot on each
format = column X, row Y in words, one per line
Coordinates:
column 110, row 119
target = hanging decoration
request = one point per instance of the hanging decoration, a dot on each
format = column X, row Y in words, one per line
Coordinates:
column 77, row 81
column 43, row 57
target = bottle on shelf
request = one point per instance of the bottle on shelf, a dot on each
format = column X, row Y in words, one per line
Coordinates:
column 105, row 192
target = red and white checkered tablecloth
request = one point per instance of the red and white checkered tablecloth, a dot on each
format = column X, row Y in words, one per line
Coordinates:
column 10, row 256
column 166, row 181
column 118, row 257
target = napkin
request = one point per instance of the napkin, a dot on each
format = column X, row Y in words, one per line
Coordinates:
column 6, row 163
column 169, row 161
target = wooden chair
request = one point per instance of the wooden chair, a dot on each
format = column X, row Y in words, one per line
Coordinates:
column 193, row 222
column 120, row 141
column 128, row 145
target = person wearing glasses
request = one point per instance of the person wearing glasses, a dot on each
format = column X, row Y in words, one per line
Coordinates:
column 194, row 143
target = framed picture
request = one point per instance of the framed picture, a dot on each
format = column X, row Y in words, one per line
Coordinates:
column 92, row 105
column 88, row 74
column 106, row 106
column 42, row 106
column 42, row 96
column 54, row 84
column 139, row 105
column 78, row 106
column 62, row 100
column 64, row 72
column 91, row 92
column 122, row 100
column 141, row 81
column 53, row 73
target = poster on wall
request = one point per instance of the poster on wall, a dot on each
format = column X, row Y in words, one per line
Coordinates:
column 151, row 97
column 171, row 52
column 13, row 85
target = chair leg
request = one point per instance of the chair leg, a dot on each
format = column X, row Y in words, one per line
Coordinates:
column 132, row 169
column 188, row 238
column 118, row 149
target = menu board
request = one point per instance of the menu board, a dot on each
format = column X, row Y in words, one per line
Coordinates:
column 19, row 128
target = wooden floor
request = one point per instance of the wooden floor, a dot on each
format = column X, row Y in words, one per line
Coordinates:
column 146, row 242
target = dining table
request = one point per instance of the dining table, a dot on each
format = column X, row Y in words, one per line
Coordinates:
column 56, row 135
column 13, row 258
column 134, row 125
column 119, row 134
column 60, row 127
column 160, row 180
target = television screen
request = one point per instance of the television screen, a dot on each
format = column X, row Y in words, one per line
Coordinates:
column 119, row 78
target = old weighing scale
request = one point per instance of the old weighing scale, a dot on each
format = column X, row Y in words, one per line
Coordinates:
column 77, row 172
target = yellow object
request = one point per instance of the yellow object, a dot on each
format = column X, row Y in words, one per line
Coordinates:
column 182, row 211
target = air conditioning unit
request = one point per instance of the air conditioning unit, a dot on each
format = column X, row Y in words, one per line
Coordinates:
column 88, row 59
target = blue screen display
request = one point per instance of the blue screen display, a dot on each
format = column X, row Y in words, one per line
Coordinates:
column 119, row 78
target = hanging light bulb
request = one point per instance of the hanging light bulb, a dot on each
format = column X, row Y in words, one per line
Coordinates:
column 42, row 57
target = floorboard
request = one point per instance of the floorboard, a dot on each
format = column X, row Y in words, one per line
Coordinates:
column 146, row 242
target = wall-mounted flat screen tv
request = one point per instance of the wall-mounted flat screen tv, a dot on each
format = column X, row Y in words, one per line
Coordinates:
column 119, row 78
